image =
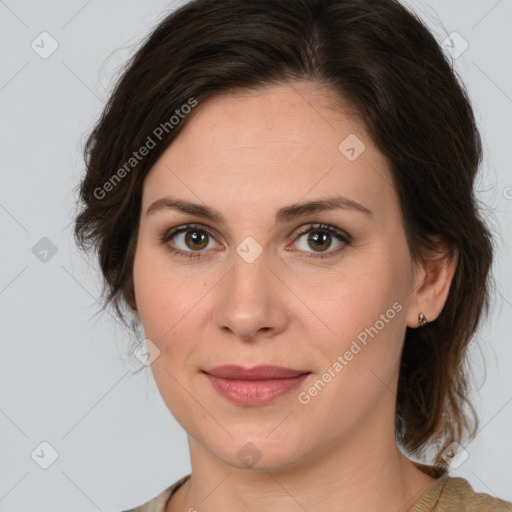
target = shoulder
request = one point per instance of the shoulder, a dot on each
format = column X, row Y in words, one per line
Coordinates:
column 455, row 494
column 158, row 503
column 458, row 492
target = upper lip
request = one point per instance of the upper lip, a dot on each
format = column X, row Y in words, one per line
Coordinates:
column 262, row 372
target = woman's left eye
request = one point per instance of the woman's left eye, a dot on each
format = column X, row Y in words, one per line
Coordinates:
column 321, row 236
column 197, row 238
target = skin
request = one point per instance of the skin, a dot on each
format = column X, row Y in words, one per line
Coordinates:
column 247, row 155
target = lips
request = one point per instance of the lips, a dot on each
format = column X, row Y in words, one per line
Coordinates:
column 263, row 372
column 257, row 386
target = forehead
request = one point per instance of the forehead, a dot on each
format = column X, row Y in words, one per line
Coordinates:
column 279, row 144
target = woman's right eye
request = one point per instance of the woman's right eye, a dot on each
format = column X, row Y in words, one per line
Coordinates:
column 192, row 240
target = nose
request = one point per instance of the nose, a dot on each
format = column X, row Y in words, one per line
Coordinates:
column 252, row 300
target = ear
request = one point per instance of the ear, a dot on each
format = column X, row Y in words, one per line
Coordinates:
column 431, row 285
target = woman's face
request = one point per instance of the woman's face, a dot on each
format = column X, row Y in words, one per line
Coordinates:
column 256, row 290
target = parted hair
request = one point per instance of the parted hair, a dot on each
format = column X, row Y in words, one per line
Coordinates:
column 381, row 60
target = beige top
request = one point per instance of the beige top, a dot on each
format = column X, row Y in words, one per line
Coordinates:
column 447, row 494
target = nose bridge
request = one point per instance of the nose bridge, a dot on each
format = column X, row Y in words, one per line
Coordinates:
column 251, row 300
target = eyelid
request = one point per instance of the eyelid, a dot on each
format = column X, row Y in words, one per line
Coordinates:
column 322, row 226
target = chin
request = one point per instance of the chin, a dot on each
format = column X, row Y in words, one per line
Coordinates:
column 259, row 451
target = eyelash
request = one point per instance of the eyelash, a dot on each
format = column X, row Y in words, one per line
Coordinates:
column 340, row 235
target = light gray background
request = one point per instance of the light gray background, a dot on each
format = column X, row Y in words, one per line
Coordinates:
column 65, row 378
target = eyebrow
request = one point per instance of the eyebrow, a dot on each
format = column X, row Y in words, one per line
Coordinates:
column 285, row 214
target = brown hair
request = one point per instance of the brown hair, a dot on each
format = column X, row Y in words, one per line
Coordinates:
column 380, row 59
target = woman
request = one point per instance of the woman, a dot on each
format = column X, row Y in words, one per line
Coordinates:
column 282, row 193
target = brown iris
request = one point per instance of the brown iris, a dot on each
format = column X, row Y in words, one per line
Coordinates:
column 197, row 237
column 321, row 241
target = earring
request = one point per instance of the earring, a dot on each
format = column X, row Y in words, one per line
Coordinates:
column 422, row 319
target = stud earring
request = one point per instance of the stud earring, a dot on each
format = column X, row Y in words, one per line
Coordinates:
column 422, row 319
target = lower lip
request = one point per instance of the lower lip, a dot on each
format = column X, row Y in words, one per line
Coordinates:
column 255, row 392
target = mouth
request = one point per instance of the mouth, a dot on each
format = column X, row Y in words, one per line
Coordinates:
column 255, row 386
column 262, row 372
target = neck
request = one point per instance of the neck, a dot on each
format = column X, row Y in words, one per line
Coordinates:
column 366, row 472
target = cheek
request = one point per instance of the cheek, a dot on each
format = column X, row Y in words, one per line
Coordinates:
column 361, row 359
column 364, row 310
column 171, row 309
column 162, row 296
column 166, row 309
